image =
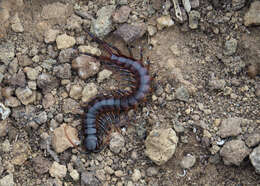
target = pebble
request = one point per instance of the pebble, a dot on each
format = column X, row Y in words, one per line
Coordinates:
column 152, row 30
column 178, row 127
column 103, row 24
column 6, row 146
column 86, row 66
column 20, row 152
column 152, row 171
column 188, row 161
column 16, row 24
column 4, row 111
column 66, row 55
column 51, row 35
column 182, row 94
column 109, row 170
column 48, row 100
column 253, row 139
column 121, row 15
column 230, row 127
column 117, row 142
column 234, row 152
column 187, row 5
column 63, row 71
column 230, row 47
column 24, row 60
column 89, row 179
column 104, row 74
column 7, row 180
column 57, row 170
column 194, row 17
column 60, row 141
column 255, row 159
column 89, row 49
column 130, row 33
column 75, row 91
column 194, row 4
column 119, row 173
column 31, row 73
column 74, row 23
column 3, row 128
column 238, row 4
column 89, row 91
column 175, row 49
column 161, row 145
column 136, row 175
column 217, row 84
column 101, row 175
column 55, row 11
column 74, row 175
column 164, row 21
column 41, row 118
column 25, row 95
column 71, row 106
column 18, row 79
column 41, row 165
column 47, row 82
column 252, row 17
column 7, row 52
column 65, row 41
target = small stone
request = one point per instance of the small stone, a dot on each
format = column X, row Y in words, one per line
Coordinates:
column 194, row 4
column 86, row 66
column 71, row 106
column 252, row 17
column 187, row 5
column 136, row 175
column 230, row 127
column 41, row 165
column 253, row 139
column 109, row 170
column 116, row 143
column 41, row 118
column 7, row 52
column 130, row 33
column 103, row 24
column 47, row 82
column 57, row 170
column 24, row 60
column 230, row 47
column 31, row 73
column 164, row 21
column 234, row 152
column 3, row 128
column 65, row 41
column 66, row 55
column 89, row 91
column 255, row 159
column 101, row 175
column 55, row 11
column 188, row 161
column 74, row 23
column 89, row 179
column 25, row 95
column 178, row 127
column 238, row 4
column 6, row 146
column 152, row 171
column 89, row 49
column 20, row 153
column 194, row 17
column 74, row 175
column 182, row 94
column 104, row 74
column 48, row 100
column 18, row 79
column 161, row 145
column 50, row 35
column 4, row 111
column 32, row 85
column 151, row 30
column 16, row 24
column 63, row 71
column 119, row 173
column 175, row 49
column 121, row 15
column 75, row 91
column 7, row 180
column 60, row 141
column 217, row 84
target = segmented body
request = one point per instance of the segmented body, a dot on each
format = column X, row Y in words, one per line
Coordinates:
column 103, row 109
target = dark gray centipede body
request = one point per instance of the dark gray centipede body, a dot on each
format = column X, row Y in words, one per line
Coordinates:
column 101, row 109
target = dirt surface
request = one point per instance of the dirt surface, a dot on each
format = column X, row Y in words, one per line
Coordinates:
column 188, row 68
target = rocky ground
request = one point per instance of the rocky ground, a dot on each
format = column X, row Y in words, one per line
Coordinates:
column 199, row 126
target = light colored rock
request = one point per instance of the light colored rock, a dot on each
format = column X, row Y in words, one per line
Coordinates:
column 4, row 111
column 50, row 35
column 65, row 41
column 252, row 17
column 20, row 153
column 16, row 24
column 75, row 91
column 60, row 141
column 25, row 95
column 3, row 128
column 188, row 161
column 89, row 91
column 136, row 175
column 194, row 17
column 89, row 49
column 71, row 106
column 116, row 143
column 161, row 145
column 104, row 74
column 230, row 127
column 57, row 170
column 74, row 175
column 31, row 73
column 253, row 139
column 164, row 21
column 255, row 159
column 7, row 180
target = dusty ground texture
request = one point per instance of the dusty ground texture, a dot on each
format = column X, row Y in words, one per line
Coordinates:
column 202, row 115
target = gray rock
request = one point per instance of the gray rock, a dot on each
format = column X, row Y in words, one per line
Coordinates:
column 48, row 100
column 62, row 71
column 117, row 142
column 16, row 24
column 7, row 180
column 101, row 175
column 164, row 21
column 25, row 95
column 187, row 5
column 121, row 15
column 253, row 139
column 194, row 4
column 3, row 128
column 230, row 127
column 67, row 54
column 182, row 94
column 238, row 4
column 4, row 111
column 50, row 35
column 194, row 17
column 161, row 145
column 89, row 91
column 255, row 159
column 103, row 24
column 136, row 175
column 41, row 118
column 188, row 161
column 217, row 84
column 129, row 33
column 7, row 52
column 18, row 79
column 41, row 165
column 71, row 106
column 230, row 47
column 47, row 82
column 74, row 23
column 152, row 171
column 234, row 152
column 89, row 179
column 252, row 17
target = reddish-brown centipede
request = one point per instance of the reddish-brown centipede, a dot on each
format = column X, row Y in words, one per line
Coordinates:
column 103, row 109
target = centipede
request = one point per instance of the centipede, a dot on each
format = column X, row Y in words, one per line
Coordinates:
column 103, row 109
